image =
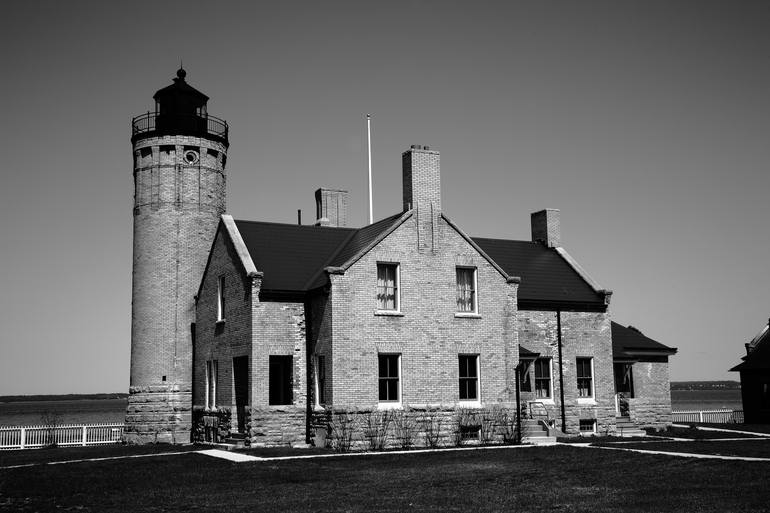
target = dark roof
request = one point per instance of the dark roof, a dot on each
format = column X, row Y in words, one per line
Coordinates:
column 293, row 257
column 547, row 280
column 630, row 342
column 758, row 357
column 526, row 353
column 181, row 90
column 290, row 255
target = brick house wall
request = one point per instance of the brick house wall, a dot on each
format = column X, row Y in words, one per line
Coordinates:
column 584, row 334
column 426, row 332
column 651, row 404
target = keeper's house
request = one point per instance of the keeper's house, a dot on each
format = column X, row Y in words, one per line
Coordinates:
column 411, row 312
column 755, row 378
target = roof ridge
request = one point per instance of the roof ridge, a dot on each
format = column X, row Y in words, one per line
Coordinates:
column 310, row 226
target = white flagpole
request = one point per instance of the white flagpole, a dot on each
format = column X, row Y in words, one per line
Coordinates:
column 369, row 140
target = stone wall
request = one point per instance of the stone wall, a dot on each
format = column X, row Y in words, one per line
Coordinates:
column 158, row 414
column 277, row 426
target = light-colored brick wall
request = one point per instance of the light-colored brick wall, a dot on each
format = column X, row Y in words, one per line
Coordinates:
column 231, row 338
column 427, row 333
column 176, row 211
column 584, row 334
column 651, row 404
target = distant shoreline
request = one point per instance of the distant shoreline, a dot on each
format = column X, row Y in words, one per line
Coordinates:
column 60, row 397
column 675, row 385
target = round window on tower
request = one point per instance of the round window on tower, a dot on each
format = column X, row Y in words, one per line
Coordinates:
column 191, row 156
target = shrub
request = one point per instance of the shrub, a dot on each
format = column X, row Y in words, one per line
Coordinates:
column 210, row 425
column 404, row 427
column 432, row 420
column 342, row 423
column 51, row 420
column 376, row 425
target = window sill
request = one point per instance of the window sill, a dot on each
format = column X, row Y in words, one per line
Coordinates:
column 389, row 313
column 586, row 400
column 220, row 321
column 389, row 406
column 463, row 403
column 468, row 315
column 549, row 402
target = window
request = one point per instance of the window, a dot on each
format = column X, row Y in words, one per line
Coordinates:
column 543, row 378
column 587, row 426
column 624, row 379
column 211, row 384
column 585, row 380
column 221, row 299
column 469, row 377
column 321, row 377
column 389, row 377
column 466, row 289
column 280, row 380
column 387, row 287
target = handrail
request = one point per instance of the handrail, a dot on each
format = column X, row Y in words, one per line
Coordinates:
column 181, row 124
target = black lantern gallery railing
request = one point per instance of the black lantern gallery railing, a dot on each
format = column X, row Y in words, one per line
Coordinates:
column 154, row 124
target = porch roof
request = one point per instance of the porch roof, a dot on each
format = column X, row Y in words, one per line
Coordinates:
column 629, row 342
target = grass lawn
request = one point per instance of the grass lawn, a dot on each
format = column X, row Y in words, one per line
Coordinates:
column 539, row 479
column 759, row 448
column 699, row 434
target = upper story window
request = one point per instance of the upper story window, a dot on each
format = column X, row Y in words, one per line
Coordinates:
column 469, row 377
column 466, row 289
column 221, row 299
column 543, row 388
column 585, row 380
column 387, row 287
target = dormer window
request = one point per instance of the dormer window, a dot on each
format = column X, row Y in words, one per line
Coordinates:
column 387, row 287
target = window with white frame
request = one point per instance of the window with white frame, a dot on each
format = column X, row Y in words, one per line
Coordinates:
column 585, row 378
column 466, row 289
column 211, row 384
column 587, row 426
column 389, row 378
column 387, row 286
column 469, row 377
column 221, row 299
column 543, row 378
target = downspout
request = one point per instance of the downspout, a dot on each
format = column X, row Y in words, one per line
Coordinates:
column 518, row 405
column 561, row 372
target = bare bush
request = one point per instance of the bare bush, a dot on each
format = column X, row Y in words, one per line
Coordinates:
column 404, row 427
column 342, row 424
column 51, row 420
column 376, row 426
column 432, row 421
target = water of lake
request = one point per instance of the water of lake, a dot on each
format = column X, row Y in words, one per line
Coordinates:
column 29, row 413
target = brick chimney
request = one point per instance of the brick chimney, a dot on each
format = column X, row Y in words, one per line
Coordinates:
column 422, row 191
column 331, row 206
column 545, row 227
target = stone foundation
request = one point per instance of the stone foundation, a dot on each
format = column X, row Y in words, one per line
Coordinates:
column 277, row 426
column 158, row 414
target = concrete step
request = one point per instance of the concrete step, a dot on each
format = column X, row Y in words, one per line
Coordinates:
column 538, row 440
column 625, row 428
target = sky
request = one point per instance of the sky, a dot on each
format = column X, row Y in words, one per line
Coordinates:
column 646, row 123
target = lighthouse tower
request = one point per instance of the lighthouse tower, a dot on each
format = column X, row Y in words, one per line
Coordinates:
column 180, row 152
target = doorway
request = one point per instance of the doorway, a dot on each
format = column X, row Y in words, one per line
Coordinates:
column 241, row 386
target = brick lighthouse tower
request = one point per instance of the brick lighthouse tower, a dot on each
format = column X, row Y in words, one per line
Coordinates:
column 180, row 152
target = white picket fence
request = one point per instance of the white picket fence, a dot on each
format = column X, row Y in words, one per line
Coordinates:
column 712, row 416
column 33, row 437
